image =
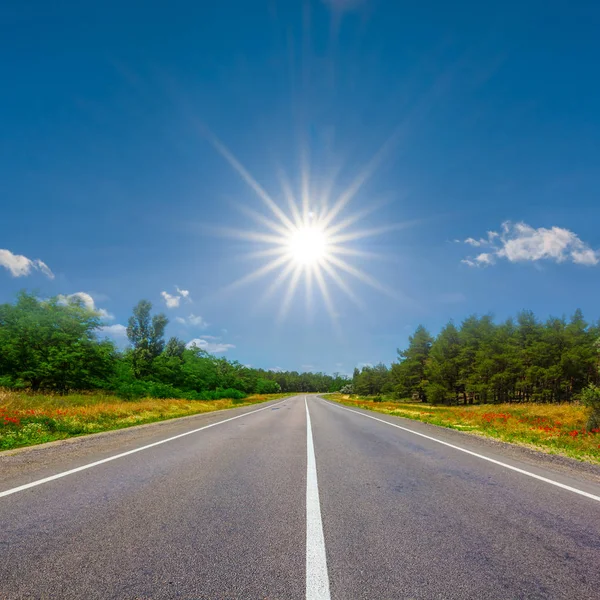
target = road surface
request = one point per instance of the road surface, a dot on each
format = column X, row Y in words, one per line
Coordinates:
column 297, row 498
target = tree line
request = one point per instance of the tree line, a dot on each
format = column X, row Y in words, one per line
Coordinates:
column 519, row 360
column 54, row 345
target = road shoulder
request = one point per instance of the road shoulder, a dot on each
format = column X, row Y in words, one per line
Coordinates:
column 20, row 465
column 478, row 443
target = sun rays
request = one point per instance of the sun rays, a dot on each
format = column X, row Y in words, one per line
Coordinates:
column 306, row 239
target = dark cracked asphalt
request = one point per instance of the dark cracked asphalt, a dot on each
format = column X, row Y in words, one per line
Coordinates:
column 223, row 512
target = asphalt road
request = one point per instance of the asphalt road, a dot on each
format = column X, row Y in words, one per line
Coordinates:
column 272, row 505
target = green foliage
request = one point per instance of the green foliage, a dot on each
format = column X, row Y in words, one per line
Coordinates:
column 174, row 348
column 521, row 360
column 146, row 335
column 50, row 345
column 267, row 386
column 442, row 368
column 436, row 393
column 372, row 381
column 408, row 375
column 591, row 398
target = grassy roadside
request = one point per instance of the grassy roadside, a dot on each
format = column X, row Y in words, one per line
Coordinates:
column 28, row 419
column 551, row 428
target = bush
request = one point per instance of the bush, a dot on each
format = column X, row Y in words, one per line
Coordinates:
column 267, row 386
column 163, row 390
column 436, row 393
column 131, row 390
column 218, row 394
column 136, row 389
column 591, row 398
column 347, row 389
column 12, row 384
column 377, row 399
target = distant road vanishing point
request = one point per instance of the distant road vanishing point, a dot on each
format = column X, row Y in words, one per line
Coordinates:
column 298, row 498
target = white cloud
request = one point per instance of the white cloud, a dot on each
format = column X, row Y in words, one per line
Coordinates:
column 308, row 367
column 519, row 242
column 482, row 260
column 21, row 266
column 339, row 364
column 193, row 320
column 275, row 369
column 118, row 332
column 212, row 347
column 198, row 321
column 522, row 242
column 171, row 301
column 88, row 302
column 174, row 300
column 585, row 256
column 485, row 258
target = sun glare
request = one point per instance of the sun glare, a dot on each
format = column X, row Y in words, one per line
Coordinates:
column 310, row 242
column 308, row 245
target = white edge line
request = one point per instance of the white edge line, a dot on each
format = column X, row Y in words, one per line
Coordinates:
column 483, row 457
column 317, row 579
column 26, row 486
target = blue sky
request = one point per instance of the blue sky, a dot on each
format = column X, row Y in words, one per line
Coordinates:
column 482, row 119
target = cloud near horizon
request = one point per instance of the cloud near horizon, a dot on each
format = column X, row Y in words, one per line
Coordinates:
column 193, row 320
column 117, row 331
column 174, row 300
column 519, row 242
column 21, row 266
column 209, row 346
column 88, row 302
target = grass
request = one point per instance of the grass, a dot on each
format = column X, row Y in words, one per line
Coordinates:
column 27, row 419
column 551, row 428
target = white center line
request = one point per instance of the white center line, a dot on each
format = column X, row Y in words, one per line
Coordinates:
column 122, row 454
column 481, row 456
column 317, row 580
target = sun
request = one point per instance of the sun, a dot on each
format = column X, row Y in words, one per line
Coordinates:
column 308, row 245
column 307, row 238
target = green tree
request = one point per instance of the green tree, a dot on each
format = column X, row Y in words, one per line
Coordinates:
column 442, row 369
column 267, row 386
column 146, row 335
column 174, row 348
column 46, row 344
column 372, row 381
column 408, row 375
column 591, row 398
